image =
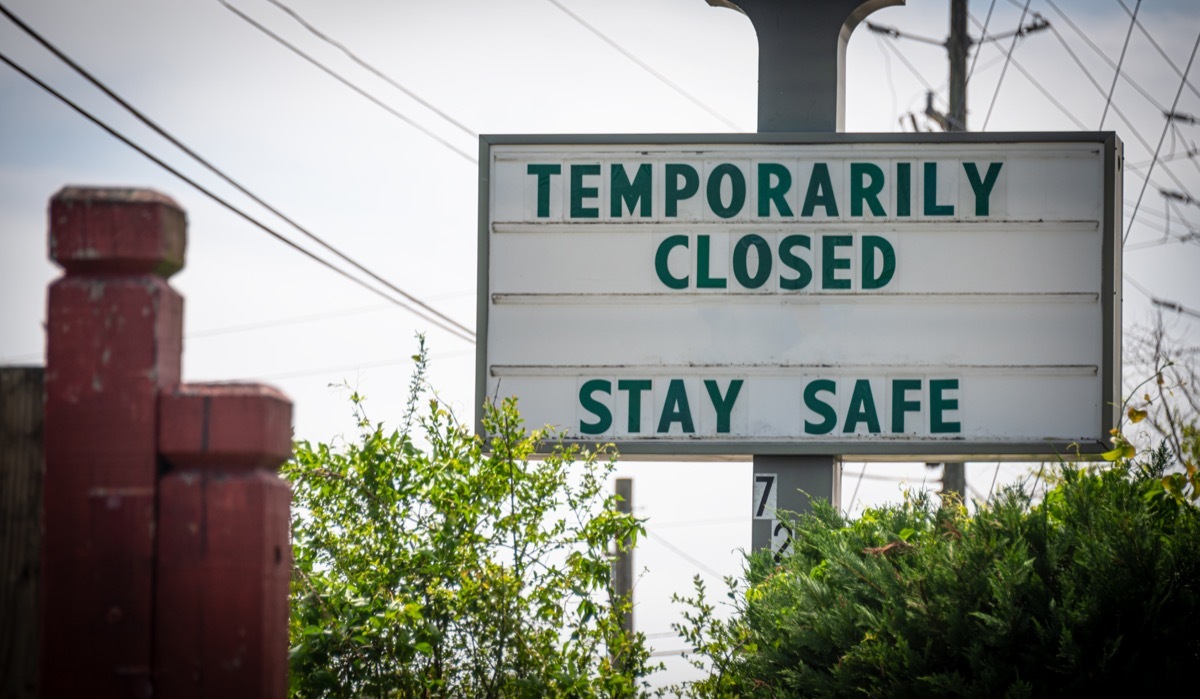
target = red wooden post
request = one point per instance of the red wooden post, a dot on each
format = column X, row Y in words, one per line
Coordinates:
column 224, row 558
column 165, row 555
column 114, row 330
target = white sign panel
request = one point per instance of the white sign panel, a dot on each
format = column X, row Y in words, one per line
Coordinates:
column 867, row 296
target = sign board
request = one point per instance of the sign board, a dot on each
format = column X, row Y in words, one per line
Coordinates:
column 873, row 296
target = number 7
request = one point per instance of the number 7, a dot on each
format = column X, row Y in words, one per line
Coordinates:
column 764, row 495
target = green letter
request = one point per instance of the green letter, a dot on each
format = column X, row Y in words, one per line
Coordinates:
column 704, row 281
column 820, row 192
column 860, row 192
column 579, row 192
column 862, row 407
column 543, row 173
column 983, row 190
column 723, row 406
column 820, row 407
column 630, row 193
column 792, row 261
column 777, row 194
column 900, row 405
column 938, row 404
column 740, row 266
column 675, row 409
column 661, row 259
column 830, row 262
column 635, row 388
column 737, row 185
column 903, row 189
column 677, row 192
column 871, row 243
column 595, row 407
column 932, row 208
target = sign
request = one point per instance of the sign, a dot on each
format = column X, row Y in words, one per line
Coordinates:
column 872, row 296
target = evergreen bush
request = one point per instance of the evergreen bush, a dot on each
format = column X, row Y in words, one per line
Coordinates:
column 1092, row 591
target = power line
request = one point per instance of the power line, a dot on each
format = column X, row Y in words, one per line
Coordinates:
column 1193, row 234
column 353, row 367
column 857, row 485
column 1008, row 58
column 1099, row 88
column 684, row 555
column 1120, row 62
column 1151, row 212
column 698, row 523
column 978, row 495
column 891, row 77
column 912, row 69
column 1178, row 196
column 1047, row 94
column 995, row 475
column 1163, row 137
column 975, row 59
column 1138, row 167
column 211, row 195
column 1078, row 122
column 645, row 66
column 897, row 34
column 249, row 327
column 336, row 76
column 298, row 320
column 1004, row 70
column 1161, row 52
column 873, row 477
column 1079, row 62
column 378, row 73
column 154, row 126
column 1190, row 153
column 1191, row 237
column 1161, row 302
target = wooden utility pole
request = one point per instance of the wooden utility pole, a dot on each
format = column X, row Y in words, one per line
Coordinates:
column 954, row 474
column 622, row 567
column 958, row 45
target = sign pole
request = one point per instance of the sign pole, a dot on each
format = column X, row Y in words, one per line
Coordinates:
column 801, row 87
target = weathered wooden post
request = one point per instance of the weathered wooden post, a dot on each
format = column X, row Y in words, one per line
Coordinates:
column 801, row 88
column 165, row 552
column 114, row 334
column 224, row 559
column 21, row 414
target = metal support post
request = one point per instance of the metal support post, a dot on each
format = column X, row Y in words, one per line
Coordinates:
column 801, row 87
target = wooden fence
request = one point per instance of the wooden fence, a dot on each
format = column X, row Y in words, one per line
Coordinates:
column 21, row 399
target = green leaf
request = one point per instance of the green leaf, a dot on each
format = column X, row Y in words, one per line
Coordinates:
column 906, row 533
column 1122, row 451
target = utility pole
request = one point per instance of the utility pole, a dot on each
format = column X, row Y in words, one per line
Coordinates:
column 622, row 567
column 958, row 44
column 954, row 474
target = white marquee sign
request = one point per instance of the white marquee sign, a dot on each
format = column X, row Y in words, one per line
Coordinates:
column 868, row 296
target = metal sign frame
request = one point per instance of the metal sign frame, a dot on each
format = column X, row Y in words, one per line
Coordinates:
column 866, row 450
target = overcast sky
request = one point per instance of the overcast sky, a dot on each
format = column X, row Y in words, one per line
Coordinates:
column 403, row 202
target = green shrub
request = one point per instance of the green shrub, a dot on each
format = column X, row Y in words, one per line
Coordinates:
column 1094, row 590
column 455, row 571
